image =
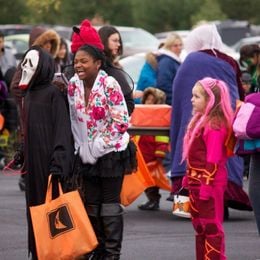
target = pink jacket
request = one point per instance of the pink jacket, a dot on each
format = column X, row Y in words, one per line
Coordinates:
column 207, row 160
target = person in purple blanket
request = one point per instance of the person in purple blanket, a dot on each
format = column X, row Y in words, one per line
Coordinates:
column 205, row 59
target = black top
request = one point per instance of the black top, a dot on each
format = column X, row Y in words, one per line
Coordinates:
column 121, row 78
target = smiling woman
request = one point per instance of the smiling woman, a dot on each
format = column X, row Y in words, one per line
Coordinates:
column 100, row 119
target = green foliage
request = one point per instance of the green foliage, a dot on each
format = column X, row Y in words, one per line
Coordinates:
column 10, row 11
column 116, row 12
column 43, row 11
column 155, row 16
column 210, row 10
column 242, row 10
column 164, row 15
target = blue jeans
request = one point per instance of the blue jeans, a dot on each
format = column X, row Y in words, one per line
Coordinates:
column 254, row 186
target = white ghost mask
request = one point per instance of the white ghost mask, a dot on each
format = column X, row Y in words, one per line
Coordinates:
column 28, row 66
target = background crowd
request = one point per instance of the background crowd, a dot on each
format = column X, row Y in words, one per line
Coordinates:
column 105, row 153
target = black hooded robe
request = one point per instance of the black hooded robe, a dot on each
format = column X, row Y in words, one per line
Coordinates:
column 48, row 146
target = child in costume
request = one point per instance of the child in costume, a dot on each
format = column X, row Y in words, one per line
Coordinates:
column 206, row 154
column 153, row 148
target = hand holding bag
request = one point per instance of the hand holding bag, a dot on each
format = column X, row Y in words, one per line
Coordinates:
column 61, row 226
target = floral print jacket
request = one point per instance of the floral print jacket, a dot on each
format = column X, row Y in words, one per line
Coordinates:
column 101, row 126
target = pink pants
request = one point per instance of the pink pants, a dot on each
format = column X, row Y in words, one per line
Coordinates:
column 207, row 220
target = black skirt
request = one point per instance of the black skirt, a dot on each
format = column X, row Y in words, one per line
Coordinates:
column 114, row 164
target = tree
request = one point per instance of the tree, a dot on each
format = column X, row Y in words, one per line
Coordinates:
column 11, row 10
column 210, row 10
column 164, row 15
column 112, row 11
column 155, row 16
column 44, row 11
column 242, row 10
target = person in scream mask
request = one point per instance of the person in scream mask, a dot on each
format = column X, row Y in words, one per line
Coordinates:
column 48, row 40
column 47, row 139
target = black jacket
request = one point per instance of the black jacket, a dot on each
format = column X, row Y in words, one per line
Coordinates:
column 47, row 134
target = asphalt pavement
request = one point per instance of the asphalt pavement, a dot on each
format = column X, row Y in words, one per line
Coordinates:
column 147, row 236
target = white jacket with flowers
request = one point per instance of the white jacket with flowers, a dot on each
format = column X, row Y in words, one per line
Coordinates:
column 101, row 127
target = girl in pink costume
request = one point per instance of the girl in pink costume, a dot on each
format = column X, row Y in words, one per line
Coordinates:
column 206, row 154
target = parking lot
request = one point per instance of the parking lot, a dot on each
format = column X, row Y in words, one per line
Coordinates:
column 147, row 235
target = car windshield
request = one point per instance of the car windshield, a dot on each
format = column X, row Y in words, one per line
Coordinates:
column 138, row 38
column 18, row 43
column 245, row 41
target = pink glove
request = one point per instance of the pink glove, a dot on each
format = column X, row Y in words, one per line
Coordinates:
column 205, row 192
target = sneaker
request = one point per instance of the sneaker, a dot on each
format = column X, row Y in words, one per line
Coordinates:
column 149, row 205
column 181, row 206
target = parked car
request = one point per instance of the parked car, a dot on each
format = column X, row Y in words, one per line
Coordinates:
column 136, row 40
column 244, row 41
column 18, row 43
column 233, row 30
column 64, row 31
column 10, row 29
column 133, row 65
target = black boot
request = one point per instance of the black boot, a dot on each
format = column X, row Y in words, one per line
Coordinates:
column 112, row 216
column 153, row 202
column 149, row 205
column 95, row 219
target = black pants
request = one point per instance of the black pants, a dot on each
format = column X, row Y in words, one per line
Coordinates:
column 99, row 190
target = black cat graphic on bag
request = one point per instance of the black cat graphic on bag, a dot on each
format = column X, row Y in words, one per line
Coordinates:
column 60, row 221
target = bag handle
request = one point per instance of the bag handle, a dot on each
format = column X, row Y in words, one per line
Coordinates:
column 48, row 197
